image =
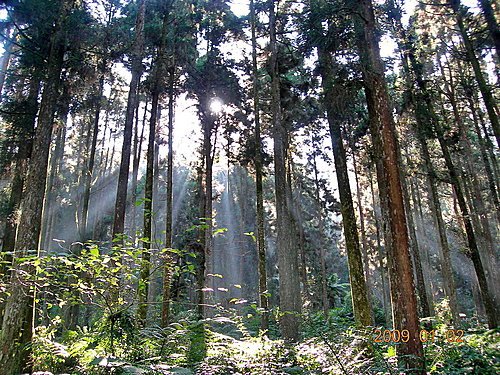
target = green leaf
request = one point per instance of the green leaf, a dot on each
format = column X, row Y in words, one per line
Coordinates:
column 94, row 251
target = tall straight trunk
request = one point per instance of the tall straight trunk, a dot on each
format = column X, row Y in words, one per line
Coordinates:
column 421, row 118
column 488, row 99
column 319, row 213
column 89, row 173
column 208, row 129
column 364, row 242
column 54, row 184
column 386, row 294
column 17, row 185
column 473, row 252
column 489, row 16
column 415, row 251
column 383, row 133
column 200, row 246
column 20, row 169
column 289, row 280
column 135, row 169
column 359, row 293
column 136, row 62
column 299, row 224
column 7, row 54
column 169, row 259
column 143, row 287
column 469, row 230
column 492, row 181
column 261, row 244
column 419, row 227
column 17, row 327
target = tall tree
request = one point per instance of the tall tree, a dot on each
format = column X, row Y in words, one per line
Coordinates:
column 156, row 90
column 491, row 21
column 17, row 327
column 136, row 56
column 361, row 304
column 261, row 245
column 489, row 101
column 383, row 134
column 289, row 284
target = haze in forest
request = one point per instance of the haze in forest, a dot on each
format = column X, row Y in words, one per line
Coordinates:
column 249, row 187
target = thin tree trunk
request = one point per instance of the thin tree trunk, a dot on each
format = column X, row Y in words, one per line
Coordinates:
column 89, row 173
column 7, row 54
column 492, row 182
column 488, row 99
column 135, row 172
column 360, row 300
column 421, row 118
column 364, row 244
column 489, row 15
column 169, row 258
column 261, row 244
column 136, row 62
column 289, row 280
column 415, row 251
column 143, row 288
column 386, row 294
column 319, row 213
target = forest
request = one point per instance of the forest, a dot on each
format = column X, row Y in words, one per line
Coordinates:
column 263, row 187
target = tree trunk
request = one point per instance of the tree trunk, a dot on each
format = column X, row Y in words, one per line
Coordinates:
column 360, row 300
column 298, row 223
column 322, row 253
column 469, row 229
column 415, row 251
column 421, row 117
column 492, row 181
column 19, row 175
column 143, row 287
column 135, row 171
column 89, row 173
column 169, row 259
column 488, row 99
column 364, row 243
column 7, row 54
column 289, row 280
column 18, row 320
column 261, row 244
column 382, row 129
column 136, row 62
column 386, row 294
column 489, row 15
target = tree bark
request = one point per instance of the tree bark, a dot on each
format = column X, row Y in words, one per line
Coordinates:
column 488, row 99
column 382, row 129
column 136, row 62
column 360, row 300
column 322, row 253
column 89, row 173
column 261, row 244
column 143, row 288
column 289, row 280
column 19, row 310
column 489, row 16
column 169, row 259
column 7, row 54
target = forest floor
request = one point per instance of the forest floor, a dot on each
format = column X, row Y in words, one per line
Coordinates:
column 228, row 345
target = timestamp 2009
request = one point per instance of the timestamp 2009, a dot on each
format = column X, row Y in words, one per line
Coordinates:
column 404, row 335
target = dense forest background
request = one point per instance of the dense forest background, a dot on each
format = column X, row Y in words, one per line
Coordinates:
column 249, row 187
